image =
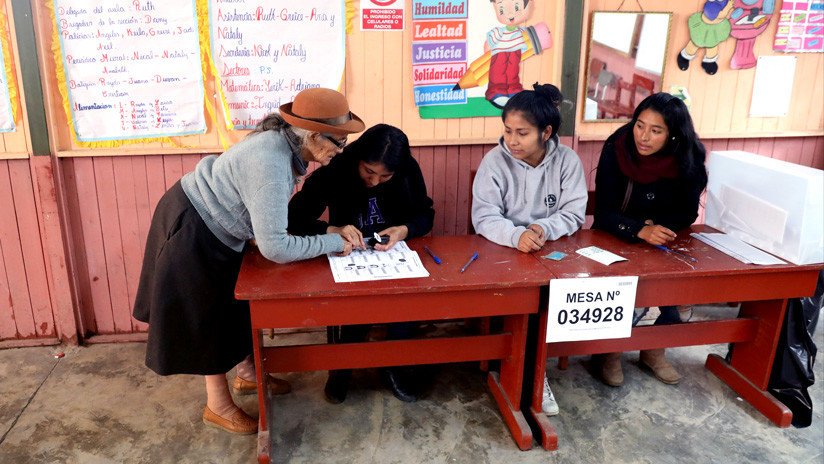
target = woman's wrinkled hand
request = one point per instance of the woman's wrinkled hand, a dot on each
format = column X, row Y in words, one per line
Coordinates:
column 395, row 234
column 349, row 234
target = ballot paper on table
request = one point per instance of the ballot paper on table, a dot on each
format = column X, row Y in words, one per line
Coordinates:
column 400, row 262
column 736, row 248
column 600, row 255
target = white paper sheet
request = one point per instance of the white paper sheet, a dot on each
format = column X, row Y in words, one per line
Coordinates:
column 592, row 308
column 266, row 51
column 773, row 86
column 736, row 248
column 364, row 265
column 602, row 256
column 132, row 68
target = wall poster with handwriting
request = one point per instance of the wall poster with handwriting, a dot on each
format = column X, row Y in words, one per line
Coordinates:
column 132, row 68
column 266, row 51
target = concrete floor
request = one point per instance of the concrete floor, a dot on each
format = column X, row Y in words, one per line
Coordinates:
column 100, row 404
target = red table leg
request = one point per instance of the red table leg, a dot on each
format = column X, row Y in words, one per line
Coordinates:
column 263, row 398
column 263, row 447
column 549, row 438
column 761, row 400
column 748, row 371
column 507, row 389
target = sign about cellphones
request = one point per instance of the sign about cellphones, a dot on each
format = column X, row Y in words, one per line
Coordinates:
column 591, row 308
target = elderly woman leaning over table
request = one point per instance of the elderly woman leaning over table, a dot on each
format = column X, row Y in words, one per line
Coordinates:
column 196, row 242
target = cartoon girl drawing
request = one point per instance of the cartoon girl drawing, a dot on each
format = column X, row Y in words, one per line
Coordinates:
column 708, row 28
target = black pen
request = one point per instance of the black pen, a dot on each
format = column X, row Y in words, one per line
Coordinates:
column 472, row 258
column 434, row 258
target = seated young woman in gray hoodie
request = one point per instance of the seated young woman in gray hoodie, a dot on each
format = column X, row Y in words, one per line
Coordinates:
column 530, row 188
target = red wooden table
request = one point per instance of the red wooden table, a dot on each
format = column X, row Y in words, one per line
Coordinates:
column 669, row 279
column 501, row 282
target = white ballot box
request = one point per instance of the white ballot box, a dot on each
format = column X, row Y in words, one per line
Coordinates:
column 774, row 205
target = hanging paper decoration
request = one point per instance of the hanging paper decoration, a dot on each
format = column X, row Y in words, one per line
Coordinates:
column 708, row 28
column 800, row 27
column 129, row 69
column 266, row 51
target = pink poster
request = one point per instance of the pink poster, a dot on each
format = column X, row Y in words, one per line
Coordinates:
column 800, row 27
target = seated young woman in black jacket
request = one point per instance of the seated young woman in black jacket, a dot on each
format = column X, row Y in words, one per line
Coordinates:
column 374, row 186
column 648, row 184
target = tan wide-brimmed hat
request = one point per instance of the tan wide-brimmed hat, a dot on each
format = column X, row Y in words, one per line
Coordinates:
column 321, row 110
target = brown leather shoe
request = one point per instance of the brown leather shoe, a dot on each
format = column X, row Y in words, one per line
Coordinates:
column 611, row 371
column 277, row 386
column 661, row 368
column 239, row 422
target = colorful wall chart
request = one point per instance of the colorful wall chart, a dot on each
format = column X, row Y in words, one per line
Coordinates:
column 130, row 68
column 438, row 51
column 264, row 52
column 800, row 27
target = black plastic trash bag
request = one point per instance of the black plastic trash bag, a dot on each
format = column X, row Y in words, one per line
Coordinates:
column 792, row 370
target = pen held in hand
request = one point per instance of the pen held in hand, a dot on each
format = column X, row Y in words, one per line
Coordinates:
column 670, row 250
column 471, row 259
column 432, row 254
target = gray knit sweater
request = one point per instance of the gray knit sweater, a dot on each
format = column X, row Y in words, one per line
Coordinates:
column 244, row 193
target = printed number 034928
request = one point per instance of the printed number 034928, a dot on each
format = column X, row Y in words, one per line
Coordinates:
column 594, row 315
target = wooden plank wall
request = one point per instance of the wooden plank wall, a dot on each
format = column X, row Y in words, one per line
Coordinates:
column 25, row 305
column 36, row 303
column 111, row 200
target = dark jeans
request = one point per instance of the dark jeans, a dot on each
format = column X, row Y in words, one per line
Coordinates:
column 358, row 333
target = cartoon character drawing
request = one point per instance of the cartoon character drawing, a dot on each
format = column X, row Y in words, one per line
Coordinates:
column 708, row 28
column 506, row 44
column 749, row 19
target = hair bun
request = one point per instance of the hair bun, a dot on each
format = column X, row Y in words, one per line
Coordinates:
column 550, row 92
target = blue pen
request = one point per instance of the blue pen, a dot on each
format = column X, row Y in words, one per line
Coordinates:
column 670, row 250
column 473, row 258
column 434, row 258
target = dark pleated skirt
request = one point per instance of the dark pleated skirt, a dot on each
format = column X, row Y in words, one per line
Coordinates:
column 186, row 294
